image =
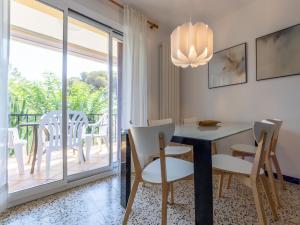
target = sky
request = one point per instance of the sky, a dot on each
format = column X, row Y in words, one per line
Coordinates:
column 32, row 61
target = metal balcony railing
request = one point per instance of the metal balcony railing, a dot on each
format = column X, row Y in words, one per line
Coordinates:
column 25, row 132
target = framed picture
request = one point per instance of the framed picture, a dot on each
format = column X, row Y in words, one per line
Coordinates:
column 278, row 54
column 228, row 67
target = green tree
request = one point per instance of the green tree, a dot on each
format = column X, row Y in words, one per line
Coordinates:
column 88, row 94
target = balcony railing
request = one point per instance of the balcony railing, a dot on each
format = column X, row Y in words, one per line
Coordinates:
column 25, row 132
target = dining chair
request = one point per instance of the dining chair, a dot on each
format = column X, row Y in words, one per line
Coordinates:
column 251, row 174
column 50, row 135
column 159, row 122
column 173, row 149
column 14, row 142
column 242, row 150
column 99, row 131
column 149, row 142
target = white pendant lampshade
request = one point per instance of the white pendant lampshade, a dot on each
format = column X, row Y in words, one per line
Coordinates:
column 191, row 45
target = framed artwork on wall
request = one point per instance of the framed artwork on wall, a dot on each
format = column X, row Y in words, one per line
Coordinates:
column 278, row 54
column 228, row 67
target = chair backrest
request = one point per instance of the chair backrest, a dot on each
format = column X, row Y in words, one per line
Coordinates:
column 144, row 142
column 102, row 125
column 191, row 120
column 51, row 123
column 159, row 122
column 278, row 124
column 263, row 131
column 78, row 122
column 13, row 137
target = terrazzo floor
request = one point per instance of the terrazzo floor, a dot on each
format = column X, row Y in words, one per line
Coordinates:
column 98, row 204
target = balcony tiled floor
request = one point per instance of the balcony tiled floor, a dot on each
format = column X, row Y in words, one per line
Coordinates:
column 98, row 203
column 99, row 157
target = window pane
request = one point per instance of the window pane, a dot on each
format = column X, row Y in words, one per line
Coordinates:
column 34, row 89
column 88, row 92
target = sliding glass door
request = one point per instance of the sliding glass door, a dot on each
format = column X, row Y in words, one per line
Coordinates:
column 61, row 61
column 35, row 88
column 88, row 91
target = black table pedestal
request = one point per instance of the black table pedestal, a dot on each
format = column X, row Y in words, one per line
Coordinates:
column 202, row 176
column 202, row 179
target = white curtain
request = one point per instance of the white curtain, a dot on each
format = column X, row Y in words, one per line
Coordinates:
column 134, row 81
column 169, row 77
column 4, row 47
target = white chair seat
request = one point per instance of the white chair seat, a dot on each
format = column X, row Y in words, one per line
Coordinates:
column 176, row 170
column 232, row 164
column 244, row 148
column 177, row 150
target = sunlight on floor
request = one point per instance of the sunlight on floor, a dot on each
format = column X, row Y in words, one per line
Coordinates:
column 99, row 157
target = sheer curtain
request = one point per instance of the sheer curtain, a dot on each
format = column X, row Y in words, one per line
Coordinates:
column 4, row 39
column 134, row 81
column 169, row 94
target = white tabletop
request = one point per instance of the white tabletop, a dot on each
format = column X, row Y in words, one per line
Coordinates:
column 215, row 133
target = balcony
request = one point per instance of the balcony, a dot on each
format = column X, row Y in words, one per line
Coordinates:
column 99, row 155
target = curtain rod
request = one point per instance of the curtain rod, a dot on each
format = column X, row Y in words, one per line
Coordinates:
column 152, row 25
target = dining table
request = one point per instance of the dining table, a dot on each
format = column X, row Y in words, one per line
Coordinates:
column 202, row 138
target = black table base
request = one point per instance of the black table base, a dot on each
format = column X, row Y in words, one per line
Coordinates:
column 202, row 176
column 202, row 179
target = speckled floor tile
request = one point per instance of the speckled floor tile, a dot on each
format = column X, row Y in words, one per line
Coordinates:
column 98, row 203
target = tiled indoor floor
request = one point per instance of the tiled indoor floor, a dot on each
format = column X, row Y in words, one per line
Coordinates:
column 98, row 203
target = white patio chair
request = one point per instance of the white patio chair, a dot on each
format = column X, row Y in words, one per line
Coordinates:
column 100, row 132
column 14, row 142
column 52, row 124
column 145, row 143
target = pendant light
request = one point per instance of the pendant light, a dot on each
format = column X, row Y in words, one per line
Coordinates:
column 191, row 45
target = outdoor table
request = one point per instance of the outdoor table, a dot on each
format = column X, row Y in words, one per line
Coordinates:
column 34, row 145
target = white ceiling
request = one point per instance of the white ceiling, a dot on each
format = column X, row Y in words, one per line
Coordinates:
column 171, row 13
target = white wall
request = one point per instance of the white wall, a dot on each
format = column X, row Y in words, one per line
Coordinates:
column 156, row 37
column 255, row 100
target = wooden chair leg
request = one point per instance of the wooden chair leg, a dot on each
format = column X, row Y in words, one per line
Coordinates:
column 214, row 148
column 269, row 197
column 131, row 200
column 172, row 193
column 164, row 204
column 278, row 171
column 272, row 183
column 258, row 205
column 229, row 181
column 221, row 176
column 230, row 175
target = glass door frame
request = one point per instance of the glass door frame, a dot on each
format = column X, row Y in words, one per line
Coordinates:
column 89, row 21
column 70, row 181
column 119, row 37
